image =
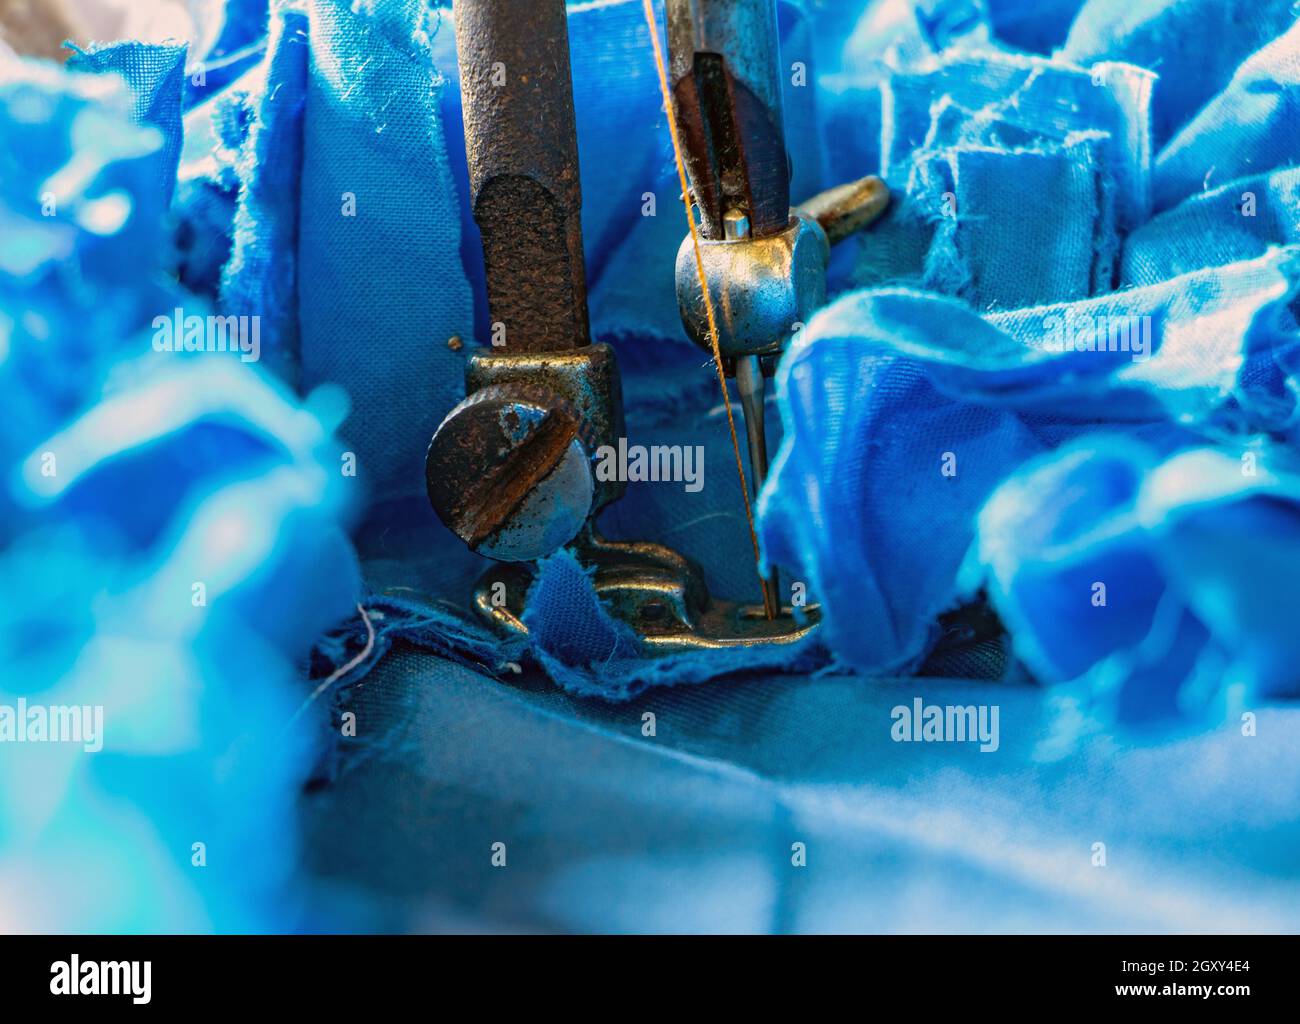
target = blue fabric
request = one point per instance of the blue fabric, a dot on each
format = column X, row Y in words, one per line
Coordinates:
column 174, row 539
column 690, row 828
column 239, row 44
column 95, row 172
column 1235, row 222
column 157, row 77
column 1195, row 551
column 1247, row 128
column 1024, row 188
column 903, row 410
column 372, row 136
column 1195, row 46
column 261, row 274
column 215, row 135
column 978, row 139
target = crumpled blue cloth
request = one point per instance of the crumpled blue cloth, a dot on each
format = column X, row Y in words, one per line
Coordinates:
column 1195, row 46
column 978, row 139
column 992, row 153
column 1030, row 198
column 1247, row 128
column 903, row 410
column 1195, row 551
column 173, row 538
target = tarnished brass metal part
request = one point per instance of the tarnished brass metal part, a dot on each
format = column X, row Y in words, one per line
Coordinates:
column 658, row 592
column 586, row 378
column 845, row 209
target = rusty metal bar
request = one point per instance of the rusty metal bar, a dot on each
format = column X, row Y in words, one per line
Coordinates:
column 522, row 150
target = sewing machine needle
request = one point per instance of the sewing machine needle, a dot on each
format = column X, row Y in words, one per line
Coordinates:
column 752, row 388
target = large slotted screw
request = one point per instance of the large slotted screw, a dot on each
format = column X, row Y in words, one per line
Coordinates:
column 509, row 472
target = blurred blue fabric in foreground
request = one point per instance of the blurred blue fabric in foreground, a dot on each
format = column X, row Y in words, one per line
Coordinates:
column 174, row 529
column 1060, row 375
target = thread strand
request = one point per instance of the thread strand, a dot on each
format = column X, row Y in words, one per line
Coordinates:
column 704, row 285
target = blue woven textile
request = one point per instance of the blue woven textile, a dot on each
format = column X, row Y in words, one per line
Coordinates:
column 260, row 275
column 1026, row 189
column 1195, row 46
column 691, row 829
column 157, row 75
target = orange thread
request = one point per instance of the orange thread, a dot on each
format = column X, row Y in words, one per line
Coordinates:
column 704, row 283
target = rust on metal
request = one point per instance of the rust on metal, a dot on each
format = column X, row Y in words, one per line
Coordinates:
column 506, row 455
column 521, row 147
